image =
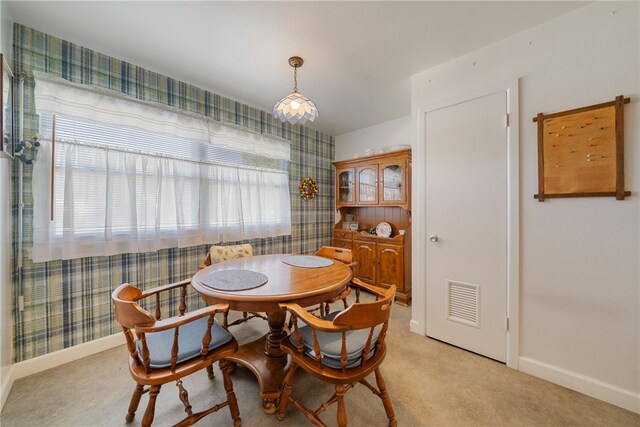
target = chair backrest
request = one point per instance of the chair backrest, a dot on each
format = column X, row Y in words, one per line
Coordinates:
column 367, row 314
column 343, row 255
column 225, row 253
column 128, row 312
column 370, row 318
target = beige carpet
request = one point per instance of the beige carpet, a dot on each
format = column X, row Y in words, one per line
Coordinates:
column 431, row 384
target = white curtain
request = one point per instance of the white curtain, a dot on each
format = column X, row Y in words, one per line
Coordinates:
column 108, row 202
column 109, row 199
column 54, row 95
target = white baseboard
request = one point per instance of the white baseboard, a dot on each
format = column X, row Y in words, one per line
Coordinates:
column 591, row 387
column 416, row 327
column 57, row 358
column 60, row 357
column 7, row 383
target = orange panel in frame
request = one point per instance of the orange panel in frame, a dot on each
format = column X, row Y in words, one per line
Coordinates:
column 580, row 152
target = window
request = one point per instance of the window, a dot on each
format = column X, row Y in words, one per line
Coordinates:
column 119, row 185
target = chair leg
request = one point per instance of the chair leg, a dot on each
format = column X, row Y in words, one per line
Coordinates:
column 184, row 398
column 342, row 411
column 135, row 401
column 287, row 386
column 225, row 320
column 151, row 406
column 210, row 373
column 386, row 400
column 226, row 368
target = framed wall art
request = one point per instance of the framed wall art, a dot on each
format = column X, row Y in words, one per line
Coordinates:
column 7, row 147
column 581, row 152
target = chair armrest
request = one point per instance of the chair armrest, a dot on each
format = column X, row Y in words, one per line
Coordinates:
column 163, row 288
column 311, row 320
column 173, row 322
column 370, row 288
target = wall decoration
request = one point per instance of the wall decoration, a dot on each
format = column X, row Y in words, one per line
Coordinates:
column 581, row 152
column 308, row 188
column 6, row 109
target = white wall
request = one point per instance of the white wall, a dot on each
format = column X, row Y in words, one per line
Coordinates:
column 387, row 134
column 580, row 278
column 6, row 347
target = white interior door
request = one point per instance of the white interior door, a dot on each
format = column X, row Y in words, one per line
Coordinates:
column 466, row 222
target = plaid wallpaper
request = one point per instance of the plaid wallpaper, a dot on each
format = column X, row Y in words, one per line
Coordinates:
column 68, row 302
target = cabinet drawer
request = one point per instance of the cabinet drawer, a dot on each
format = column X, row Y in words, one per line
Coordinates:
column 343, row 243
column 343, row 234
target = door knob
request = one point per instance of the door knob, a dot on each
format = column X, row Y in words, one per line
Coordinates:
column 433, row 238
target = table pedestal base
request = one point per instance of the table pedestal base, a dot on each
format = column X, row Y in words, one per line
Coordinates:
column 269, row 370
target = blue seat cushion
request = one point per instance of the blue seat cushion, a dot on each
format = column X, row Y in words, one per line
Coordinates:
column 331, row 344
column 189, row 342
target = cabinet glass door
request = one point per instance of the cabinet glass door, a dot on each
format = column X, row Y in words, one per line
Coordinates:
column 367, row 183
column 346, row 186
column 392, row 183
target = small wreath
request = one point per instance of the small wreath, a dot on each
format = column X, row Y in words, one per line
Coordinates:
column 308, row 188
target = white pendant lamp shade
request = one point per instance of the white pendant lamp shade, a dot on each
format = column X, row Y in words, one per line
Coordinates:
column 295, row 107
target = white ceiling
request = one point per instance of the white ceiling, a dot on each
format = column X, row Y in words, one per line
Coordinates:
column 359, row 56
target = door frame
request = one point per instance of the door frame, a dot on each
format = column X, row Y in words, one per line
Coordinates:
column 419, row 246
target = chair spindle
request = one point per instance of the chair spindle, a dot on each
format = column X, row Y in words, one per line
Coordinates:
column 158, row 313
column 174, row 348
column 183, row 300
column 206, row 339
column 145, row 353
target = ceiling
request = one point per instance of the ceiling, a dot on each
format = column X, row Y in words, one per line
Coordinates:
column 359, row 56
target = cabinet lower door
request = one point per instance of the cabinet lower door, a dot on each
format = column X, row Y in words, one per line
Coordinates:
column 364, row 255
column 391, row 265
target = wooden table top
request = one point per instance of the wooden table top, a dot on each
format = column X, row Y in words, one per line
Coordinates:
column 286, row 282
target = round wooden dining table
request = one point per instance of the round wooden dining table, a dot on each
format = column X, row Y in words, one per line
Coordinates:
column 286, row 283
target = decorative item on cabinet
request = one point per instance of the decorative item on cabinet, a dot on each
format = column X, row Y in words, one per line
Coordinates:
column 376, row 190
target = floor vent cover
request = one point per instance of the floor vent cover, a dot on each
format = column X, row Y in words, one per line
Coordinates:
column 463, row 303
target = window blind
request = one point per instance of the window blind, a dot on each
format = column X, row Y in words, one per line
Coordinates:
column 131, row 188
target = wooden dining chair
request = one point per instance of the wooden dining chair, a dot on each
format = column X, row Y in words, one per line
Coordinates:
column 344, row 256
column 343, row 349
column 218, row 254
column 167, row 350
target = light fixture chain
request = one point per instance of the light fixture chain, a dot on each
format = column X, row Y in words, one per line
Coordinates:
column 295, row 79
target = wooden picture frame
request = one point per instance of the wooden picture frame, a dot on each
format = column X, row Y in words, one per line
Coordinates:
column 7, row 142
column 581, row 152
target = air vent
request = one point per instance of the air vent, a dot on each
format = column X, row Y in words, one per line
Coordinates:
column 463, row 303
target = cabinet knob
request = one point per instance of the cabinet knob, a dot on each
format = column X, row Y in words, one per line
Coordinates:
column 433, row 238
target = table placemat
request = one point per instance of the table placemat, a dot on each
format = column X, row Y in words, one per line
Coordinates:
column 307, row 261
column 234, row 280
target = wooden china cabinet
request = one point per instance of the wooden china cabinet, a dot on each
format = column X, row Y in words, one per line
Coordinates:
column 371, row 190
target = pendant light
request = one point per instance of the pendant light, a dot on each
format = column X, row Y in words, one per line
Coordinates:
column 295, row 107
